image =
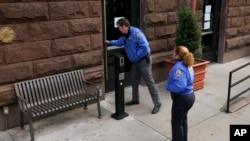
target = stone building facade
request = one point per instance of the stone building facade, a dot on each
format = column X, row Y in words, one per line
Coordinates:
column 54, row 36
column 234, row 35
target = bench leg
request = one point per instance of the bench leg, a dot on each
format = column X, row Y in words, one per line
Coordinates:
column 31, row 129
column 21, row 121
column 98, row 92
column 85, row 106
column 99, row 109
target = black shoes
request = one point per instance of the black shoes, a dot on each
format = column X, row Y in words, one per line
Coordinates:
column 132, row 103
column 156, row 109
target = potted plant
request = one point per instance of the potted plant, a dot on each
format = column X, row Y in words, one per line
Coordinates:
column 188, row 34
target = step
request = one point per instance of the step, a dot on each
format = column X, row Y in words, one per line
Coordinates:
column 239, row 103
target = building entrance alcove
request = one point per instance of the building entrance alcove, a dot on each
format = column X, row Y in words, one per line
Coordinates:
column 210, row 29
column 113, row 10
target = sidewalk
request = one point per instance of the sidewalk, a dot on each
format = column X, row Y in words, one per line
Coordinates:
column 207, row 120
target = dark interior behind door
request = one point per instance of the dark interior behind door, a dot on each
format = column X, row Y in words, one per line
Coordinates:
column 118, row 8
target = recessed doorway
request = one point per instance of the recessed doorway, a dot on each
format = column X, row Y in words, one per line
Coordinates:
column 114, row 9
column 210, row 29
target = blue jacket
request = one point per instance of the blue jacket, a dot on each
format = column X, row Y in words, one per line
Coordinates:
column 135, row 44
column 180, row 79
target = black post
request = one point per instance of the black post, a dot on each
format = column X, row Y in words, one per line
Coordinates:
column 119, row 87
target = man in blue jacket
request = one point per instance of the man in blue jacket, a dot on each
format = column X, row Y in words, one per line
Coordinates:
column 138, row 52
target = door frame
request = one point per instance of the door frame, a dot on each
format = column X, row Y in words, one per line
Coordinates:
column 212, row 56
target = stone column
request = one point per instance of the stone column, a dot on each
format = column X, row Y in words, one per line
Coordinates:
column 193, row 5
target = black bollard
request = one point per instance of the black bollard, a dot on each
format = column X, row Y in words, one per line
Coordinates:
column 119, row 87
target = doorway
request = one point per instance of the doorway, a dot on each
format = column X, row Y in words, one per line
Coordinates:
column 210, row 29
column 113, row 10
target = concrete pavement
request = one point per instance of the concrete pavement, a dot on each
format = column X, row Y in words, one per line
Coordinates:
column 207, row 119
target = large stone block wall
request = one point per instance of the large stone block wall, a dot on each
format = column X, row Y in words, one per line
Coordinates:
column 159, row 24
column 160, row 21
column 234, row 41
column 52, row 36
column 237, row 32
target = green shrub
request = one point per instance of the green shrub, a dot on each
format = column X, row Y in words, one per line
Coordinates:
column 188, row 33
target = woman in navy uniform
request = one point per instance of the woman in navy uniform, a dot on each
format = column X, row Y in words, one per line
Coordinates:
column 138, row 52
column 180, row 84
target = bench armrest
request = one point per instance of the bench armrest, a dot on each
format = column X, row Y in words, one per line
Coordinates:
column 91, row 83
column 23, row 101
column 96, row 87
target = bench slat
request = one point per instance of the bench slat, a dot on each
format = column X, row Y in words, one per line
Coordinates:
column 57, row 89
column 53, row 88
column 19, row 92
column 59, row 105
column 37, row 97
column 73, row 84
column 68, row 84
column 81, row 84
column 32, row 91
column 44, row 91
column 47, row 90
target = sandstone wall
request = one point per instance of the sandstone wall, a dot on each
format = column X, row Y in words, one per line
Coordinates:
column 237, row 24
column 159, row 24
column 236, row 30
column 52, row 36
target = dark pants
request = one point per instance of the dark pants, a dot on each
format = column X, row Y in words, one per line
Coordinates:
column 140, row 70
column 180, row 107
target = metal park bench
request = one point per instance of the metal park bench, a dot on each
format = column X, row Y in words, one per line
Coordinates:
column 53, row 94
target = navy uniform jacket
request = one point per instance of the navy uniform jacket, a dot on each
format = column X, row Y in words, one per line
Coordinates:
column 135, row 44
column 180, row 79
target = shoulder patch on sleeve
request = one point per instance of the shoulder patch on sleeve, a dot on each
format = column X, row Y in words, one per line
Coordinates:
column 178, row 73
column 138, row 35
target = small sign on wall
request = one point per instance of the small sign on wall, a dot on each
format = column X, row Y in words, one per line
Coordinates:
column 208, row 9
column 206, row 25
column 207, row 17
column 115, row 21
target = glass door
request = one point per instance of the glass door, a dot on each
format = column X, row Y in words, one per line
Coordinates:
column 210, row 29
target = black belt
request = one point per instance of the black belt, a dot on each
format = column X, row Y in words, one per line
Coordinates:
column 147, row 57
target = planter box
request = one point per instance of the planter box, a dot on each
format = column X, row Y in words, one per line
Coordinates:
column 199, row 72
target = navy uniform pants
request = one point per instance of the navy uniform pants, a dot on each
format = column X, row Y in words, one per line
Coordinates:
column 142, row 69
column 180, row 107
